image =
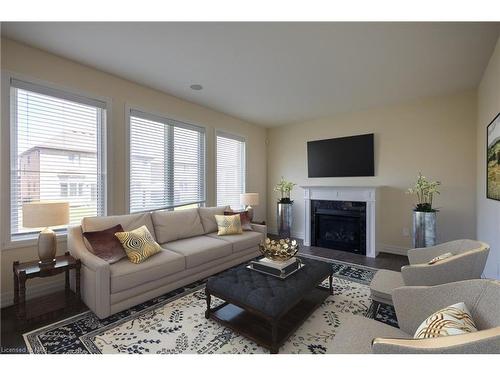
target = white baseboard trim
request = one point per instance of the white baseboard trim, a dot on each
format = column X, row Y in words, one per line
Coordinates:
column 34, row 291
column 393, row 249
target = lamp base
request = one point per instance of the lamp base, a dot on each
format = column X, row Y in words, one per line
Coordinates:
column 47, row 247
column 249, row 210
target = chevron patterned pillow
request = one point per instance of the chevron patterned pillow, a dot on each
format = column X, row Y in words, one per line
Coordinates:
column 228, row 224
column 452, row 320
column 139, row 244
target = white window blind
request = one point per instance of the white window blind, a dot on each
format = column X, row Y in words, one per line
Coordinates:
column 57, row 152
column 167, row 163
column 230, row 169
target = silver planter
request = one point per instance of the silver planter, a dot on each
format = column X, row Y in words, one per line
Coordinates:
column 424, row 229
column 284, row 218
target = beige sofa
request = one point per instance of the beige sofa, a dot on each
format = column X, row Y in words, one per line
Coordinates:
column 192, row 250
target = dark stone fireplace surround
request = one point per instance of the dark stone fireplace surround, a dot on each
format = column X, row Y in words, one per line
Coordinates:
column 339, row 225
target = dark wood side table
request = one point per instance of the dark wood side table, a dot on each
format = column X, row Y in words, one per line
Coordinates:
column 41, row 306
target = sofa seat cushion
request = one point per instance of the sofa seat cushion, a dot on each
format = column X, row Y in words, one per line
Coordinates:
column 200, row 250
column 176, row 225
column 242, row 241
column 356, row 333
column 383, row 283
column 126, row 275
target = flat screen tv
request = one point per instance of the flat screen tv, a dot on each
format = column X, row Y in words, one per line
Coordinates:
column 341, row 157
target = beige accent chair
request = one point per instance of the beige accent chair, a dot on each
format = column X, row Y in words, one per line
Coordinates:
column 414, row 304
column 191, row 251
column 468, row 261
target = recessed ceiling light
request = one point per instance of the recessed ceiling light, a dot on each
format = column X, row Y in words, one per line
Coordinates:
column 196, row 87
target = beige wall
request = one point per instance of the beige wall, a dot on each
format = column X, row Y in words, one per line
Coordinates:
column 44, row 66
column 488, row 210
column 441, row 136
column 436, row 136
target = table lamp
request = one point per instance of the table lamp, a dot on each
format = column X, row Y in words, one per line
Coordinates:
column 45, row 214
column 248, row 200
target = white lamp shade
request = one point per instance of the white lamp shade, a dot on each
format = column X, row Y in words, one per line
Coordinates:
column 249, row 199
column 45, row 214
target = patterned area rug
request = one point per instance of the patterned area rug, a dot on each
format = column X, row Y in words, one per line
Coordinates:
column 175, row 323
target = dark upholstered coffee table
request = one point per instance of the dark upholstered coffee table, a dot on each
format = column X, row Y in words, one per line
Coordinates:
column 264, row 308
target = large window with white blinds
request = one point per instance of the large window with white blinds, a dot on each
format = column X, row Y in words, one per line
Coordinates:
column 230, row 169
column 167, row 163
column 57, row 152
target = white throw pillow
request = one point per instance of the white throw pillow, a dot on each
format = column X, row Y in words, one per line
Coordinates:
column 452, row 320
column 441, row 257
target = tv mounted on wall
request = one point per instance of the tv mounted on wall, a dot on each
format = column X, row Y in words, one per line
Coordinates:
column 341, row 157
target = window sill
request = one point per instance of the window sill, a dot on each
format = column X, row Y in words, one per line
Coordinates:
column 30, row 241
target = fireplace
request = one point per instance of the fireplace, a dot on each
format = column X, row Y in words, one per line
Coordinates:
column 339, row 225
column 367, row 196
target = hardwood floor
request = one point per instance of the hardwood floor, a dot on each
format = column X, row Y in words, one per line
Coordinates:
column 388, row 261
column 12, row 341
column 383, row 260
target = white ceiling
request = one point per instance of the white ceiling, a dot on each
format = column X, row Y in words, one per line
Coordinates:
column 278, row 73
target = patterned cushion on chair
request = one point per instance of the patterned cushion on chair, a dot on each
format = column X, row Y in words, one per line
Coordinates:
column 139, row 244
column 452, row 320
column 228, row 224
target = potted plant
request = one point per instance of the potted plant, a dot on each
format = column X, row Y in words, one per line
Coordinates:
column 284, row 187
column 424, row 215
column 284, row 207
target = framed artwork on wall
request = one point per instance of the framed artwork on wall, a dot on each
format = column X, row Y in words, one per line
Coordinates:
column 493, row 159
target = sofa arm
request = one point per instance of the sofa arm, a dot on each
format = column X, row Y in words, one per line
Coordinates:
column 480, row 342
column 469, row 265
column 95, row 274
column 259, row 228
column 425, row 254
column 423, row 275
column 414, row 304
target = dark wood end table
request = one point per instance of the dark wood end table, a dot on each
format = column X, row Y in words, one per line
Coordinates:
column 43, row 305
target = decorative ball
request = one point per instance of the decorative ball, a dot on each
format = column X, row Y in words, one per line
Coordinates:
column 279, row 250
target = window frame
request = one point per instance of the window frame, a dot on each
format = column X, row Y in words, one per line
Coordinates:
column 238, row 137
column 129, row 108
column 30, row 239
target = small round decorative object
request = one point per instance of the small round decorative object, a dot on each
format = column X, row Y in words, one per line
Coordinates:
column 279, row 250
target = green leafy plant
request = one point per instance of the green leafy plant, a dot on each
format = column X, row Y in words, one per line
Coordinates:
column 424, row 191
column 284, row 187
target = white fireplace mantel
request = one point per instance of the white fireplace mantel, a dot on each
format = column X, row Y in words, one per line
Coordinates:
column 367, row 194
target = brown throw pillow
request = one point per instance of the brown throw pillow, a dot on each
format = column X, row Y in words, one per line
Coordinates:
column 105, row 245
column 244, row 218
